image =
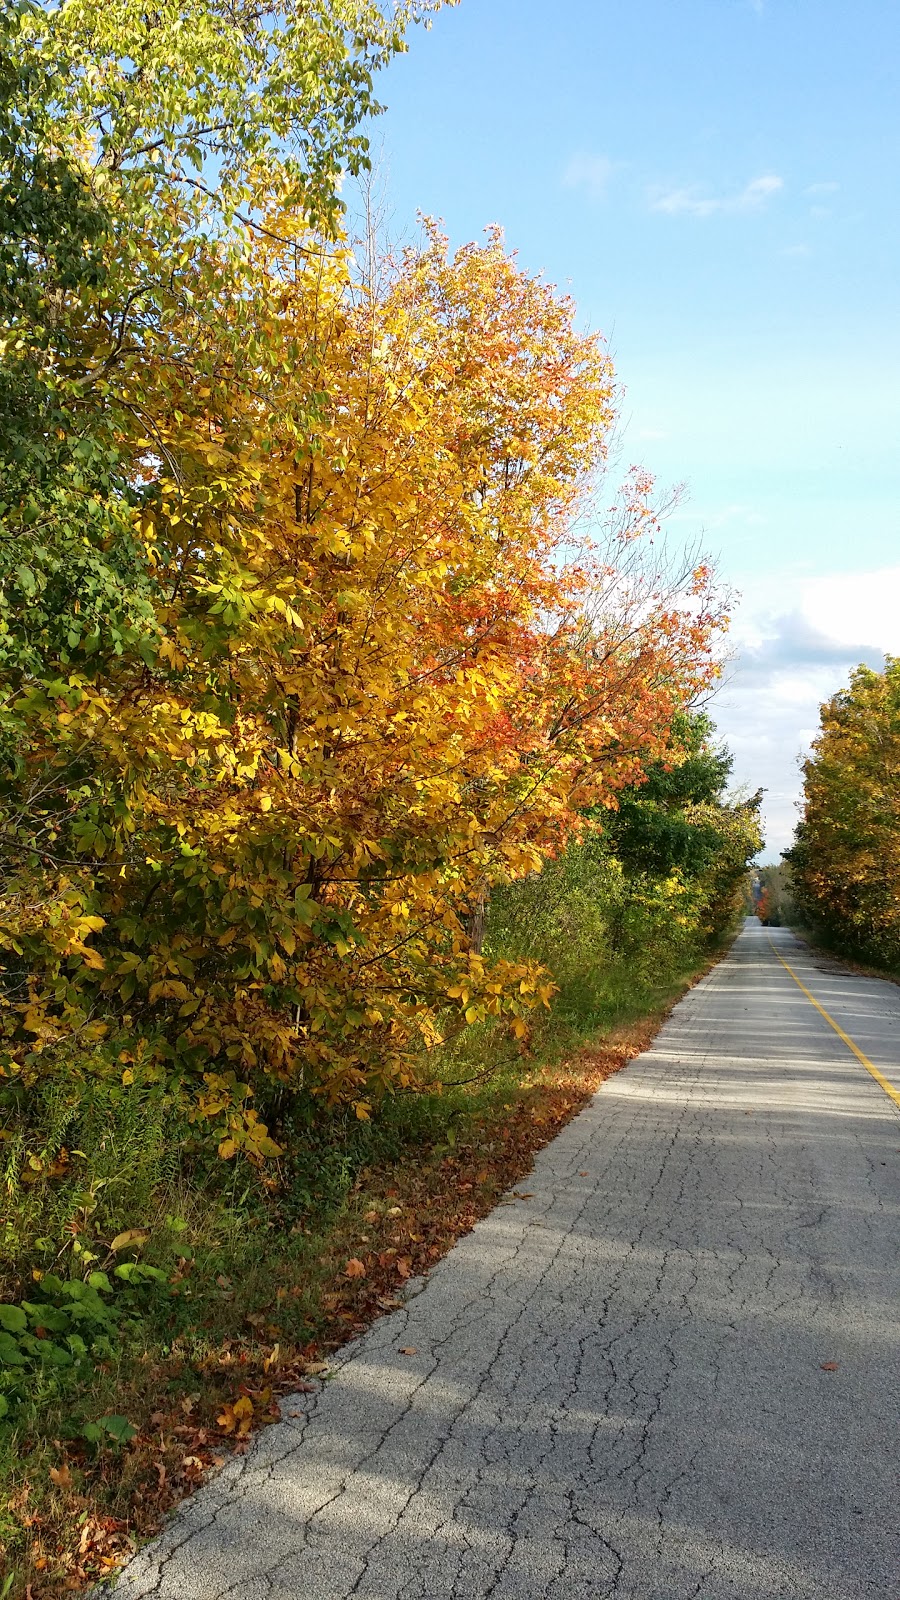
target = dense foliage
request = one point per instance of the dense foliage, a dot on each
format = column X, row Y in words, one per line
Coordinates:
column 347, row 760
column 648, row 886
column 845, row 861
column 304, row 648
column 303, row 651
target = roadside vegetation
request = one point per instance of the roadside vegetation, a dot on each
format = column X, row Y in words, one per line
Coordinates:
column 159, row 1301
column 355, row 819
column 844, row 864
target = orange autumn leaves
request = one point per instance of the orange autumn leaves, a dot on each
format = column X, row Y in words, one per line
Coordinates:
column 391, row 671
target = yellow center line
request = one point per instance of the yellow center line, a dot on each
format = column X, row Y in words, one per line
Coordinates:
column 878, row 1076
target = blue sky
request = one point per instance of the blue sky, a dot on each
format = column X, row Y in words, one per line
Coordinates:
column 715, row 181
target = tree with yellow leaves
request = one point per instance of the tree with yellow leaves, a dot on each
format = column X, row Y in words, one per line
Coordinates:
column 845, row 861
column 387, row 674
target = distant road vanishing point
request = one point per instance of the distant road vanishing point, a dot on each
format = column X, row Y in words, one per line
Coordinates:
column 669, row 1373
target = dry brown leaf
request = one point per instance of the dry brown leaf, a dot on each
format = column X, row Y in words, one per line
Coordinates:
column 61, row 1476
column 829, row 1366
column 354, row 1268
column 409, row 1350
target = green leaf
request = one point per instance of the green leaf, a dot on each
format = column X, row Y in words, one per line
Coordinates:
column 118, row 1428
column 53, row 1355
column 13, row 1319
column 10, row 1354
column 53, row 1318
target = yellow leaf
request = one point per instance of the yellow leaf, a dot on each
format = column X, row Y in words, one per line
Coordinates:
column 131, row 1236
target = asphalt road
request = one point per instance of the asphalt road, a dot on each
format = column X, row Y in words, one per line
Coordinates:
column 671, row 1373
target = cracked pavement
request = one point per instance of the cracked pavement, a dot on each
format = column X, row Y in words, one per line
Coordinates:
column 618, row 1386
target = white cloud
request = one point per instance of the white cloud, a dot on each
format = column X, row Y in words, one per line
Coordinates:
column 821, row 188
column 688, row 203
column 795, row 647
column 849, row 606
column 589, row 172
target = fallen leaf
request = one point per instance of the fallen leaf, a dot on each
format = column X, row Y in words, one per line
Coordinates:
column 370, row 1216
column 394, row 1211
column 131, row 1236
column 354, row 1268
column 409, row 1350
column 584, row 1174
column 61, row 1476
column 237, row 1419
column 829, row 1366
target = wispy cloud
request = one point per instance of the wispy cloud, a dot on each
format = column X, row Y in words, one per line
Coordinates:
column 821, row 188
column 589, row 172
column 690, row 203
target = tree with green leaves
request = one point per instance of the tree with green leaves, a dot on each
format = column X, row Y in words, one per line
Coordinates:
column 845, row 860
